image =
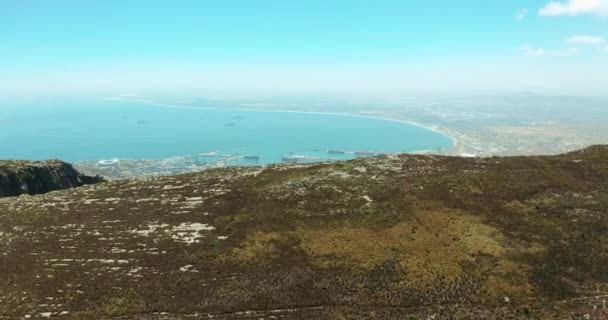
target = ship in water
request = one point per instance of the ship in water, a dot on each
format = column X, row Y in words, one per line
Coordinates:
column 208, row 154
column 335, row 151
column 251, row 157
column 108, row 162
column 298, row 159
column 364, row 153
column 289, row 159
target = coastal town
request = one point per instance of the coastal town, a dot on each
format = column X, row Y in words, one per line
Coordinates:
column 478, row 126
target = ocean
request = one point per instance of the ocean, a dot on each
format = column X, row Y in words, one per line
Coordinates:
column 97, row 130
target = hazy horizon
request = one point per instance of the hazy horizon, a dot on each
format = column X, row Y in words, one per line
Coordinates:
column 341, row 48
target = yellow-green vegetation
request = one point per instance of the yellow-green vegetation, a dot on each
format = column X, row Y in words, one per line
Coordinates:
column 120, row 303
column 389, row 237
column 429, row 245
column 258, row 245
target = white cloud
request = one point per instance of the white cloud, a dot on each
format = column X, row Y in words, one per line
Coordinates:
column 605, row 48
column 586, row 39
column 575, row 8
column 540, row 52
column 521, row 14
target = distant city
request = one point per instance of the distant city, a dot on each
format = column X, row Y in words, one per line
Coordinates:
column 483, row 125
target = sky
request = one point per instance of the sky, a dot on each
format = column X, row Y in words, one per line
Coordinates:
column 350, row 47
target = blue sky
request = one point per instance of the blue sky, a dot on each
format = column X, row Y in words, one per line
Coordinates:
column 363, row 46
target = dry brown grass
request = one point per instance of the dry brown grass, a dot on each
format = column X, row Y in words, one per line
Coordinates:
column 259, row 245
column 430, row 245
column 510, row 279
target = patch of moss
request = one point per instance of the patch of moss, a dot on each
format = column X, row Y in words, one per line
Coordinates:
column 259, row 245
column 433, row 244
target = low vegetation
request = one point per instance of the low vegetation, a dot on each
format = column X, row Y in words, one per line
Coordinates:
column 390, row 237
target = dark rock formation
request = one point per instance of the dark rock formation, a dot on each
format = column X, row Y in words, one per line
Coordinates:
column 36, row 177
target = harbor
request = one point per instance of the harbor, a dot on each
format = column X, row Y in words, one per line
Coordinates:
column 138, row 168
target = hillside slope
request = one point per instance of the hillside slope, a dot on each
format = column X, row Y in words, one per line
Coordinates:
column 393, row 237
column 35, row 177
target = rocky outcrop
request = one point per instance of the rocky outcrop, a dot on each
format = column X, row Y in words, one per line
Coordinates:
column 36, row 177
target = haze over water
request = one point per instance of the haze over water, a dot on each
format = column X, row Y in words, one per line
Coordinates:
column 134, row 130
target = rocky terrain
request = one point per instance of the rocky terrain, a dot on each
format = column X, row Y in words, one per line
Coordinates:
column 390, row 237
column 36, row 177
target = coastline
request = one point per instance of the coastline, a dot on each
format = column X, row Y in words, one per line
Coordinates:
column 455, row 142
column 433, row 129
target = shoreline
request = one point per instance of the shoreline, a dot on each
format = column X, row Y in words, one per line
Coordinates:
column 455, row 141
column 419, row 125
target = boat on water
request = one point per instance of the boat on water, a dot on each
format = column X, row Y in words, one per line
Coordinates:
column 251, row 157
column 208, row 154
column 364, row 153
column 298, row 159
column 336, row 151
column 108, row 162
column 289, row 159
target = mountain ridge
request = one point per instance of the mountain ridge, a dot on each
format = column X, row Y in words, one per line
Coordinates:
column 396, row 236
column 35, row 177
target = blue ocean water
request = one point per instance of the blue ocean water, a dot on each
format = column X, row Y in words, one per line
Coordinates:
column 81, row 131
